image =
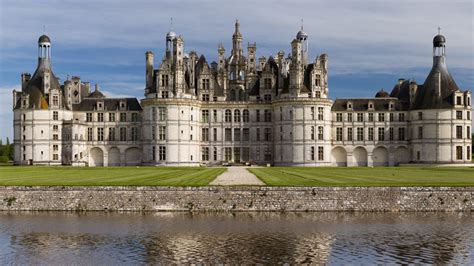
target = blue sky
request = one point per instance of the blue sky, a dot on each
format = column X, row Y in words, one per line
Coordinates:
column 370, row 43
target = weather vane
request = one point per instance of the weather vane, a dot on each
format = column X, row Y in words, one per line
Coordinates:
column 439, row 30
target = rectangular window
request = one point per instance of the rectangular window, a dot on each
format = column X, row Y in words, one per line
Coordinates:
column 228, row 154
column 381, row 117
column 371, row 117
column 100, row 134
column 135, row 117
column 381, row 131
column 420, row 132
column 401, row 117
column 468, row 132
column 134, row 133
column 205, row 116
column 205, row 86
column 459, row 115
column 339, row 117
column 162, row 113
column 318, row 94
column 153, row 113
column 268, row 116
column 458, row 152
column 88, row 117
column 55, row 100
column 162, row 153
column 267, row 97
column 268, row 83
column 320, row 133
column 320, row 153
column 312, row 153
column 55, row 147
column 391, row 117
column 89, row 134
column 245, row 134
column 123, row 134
column 312, row 132
column 162, row 133
column 55, row 128
column 55, row 115
column 320, row 113
column 228, row 134
column 360, row 134
column 267, row 154
column 459, row 132
column 153, row 132
column 468, row 115
column 268, row 134
column 257, row 134
column 371, row 134
column 401, row 133
column 164, row 80
column 349, row 134
column 236, row 154
column 236, row 116
column 100, row 117
column 317, row 81
column 349, row 117
column 205, row 97
column 215, row 154
column 55, row 157
column 257, row 115
column 228, row 116
column 123, row 117
column 214, row 115
column 468, row 152
column 205, row 134
column 390, row 133
column 458, row 100
column 339, row 134
column 360, row 117
column 236, row 134
column 420, row 115
column 214, row 133
column 111, row 117
column 111, row 134
column 205, row 153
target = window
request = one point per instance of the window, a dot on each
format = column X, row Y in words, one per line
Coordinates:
column 468, row 132
column 257, row 115
column 228, row 154
column 401, row 133
column 318, row 94
column 312, row 113
column 468, row 115
column 320, row 133
column 321, row 153
column 215, row 154
column 267, row 97
column 339, row 134
column 459, row 153
column 55, row 115
column 123, row 134
column 360, row 134
column 205, row 134
column 164, row 80
column 205, row 153
column 360, row 117
column 228, row 134
column 420, row 132
column 312, row 153
column 55, row 157
column 381, row 132
column 390, row 133
column 268, row 134
column 55, row 147
column 88, row 117
column 312, row 132
column 153, row 132
column 153, row 113
column 89, row 134
column 205, row 97
column 162, row 113
column 205, row 86
column 268, row 154
column 134, row 117
column 371, row 117
column 339, row 117
column 349, row 117
column 236, row 115
column 236, row 134
column 459, row 115
column 111, row 134
column 320, row 113
column 205, row 116
column 228, row 115
column 391, row 117
column 246, row 116
column 100, row 117
column 134, row 133
column 317, row 81
column 268, row 83
column 245, row 134
column 371, row 134
column 401, row 117
column 420, row 115
column 268, row 115
column 257, row 134
column 111, row 117
column 458, row 100
column 349, row 134
column 459, row 132
column 153, row 153
column 55, row 100
column 468, row 152
column 100, row 134
column 123, row 117
column 214, row 115
column 165, row 94
column 162, row 133
column 55, row 128
column 162, row 153
column 381, row 117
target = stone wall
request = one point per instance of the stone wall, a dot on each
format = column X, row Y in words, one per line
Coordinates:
column 237, row 198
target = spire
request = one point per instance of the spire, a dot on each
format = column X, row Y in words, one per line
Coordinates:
column 237, row 40
column 301, row 24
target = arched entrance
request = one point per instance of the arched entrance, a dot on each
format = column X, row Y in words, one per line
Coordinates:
column 380, row 156
column 360, row 156
column 133, row 156
column 339, row 156
column 402, row 155
column 96, row 157
column 114, row 157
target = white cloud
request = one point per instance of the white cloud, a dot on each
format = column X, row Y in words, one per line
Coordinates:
column 6, row 113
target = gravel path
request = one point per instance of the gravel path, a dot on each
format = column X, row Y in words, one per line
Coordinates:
column 237, row 175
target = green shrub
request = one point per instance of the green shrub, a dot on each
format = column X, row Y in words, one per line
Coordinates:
column 3, row 159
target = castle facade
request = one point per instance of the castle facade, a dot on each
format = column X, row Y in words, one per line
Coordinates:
column 240, row 109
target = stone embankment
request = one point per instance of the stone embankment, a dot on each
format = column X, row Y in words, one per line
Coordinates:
column 237, row 198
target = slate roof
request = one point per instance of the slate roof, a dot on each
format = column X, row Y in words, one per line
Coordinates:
column 358, row 104
column 112, row 104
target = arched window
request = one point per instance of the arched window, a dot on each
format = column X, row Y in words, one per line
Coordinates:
column 228, row 115
column 246, row 116
column 242, row 75
column 232, row 95
column 241, row 95
column 236, row 115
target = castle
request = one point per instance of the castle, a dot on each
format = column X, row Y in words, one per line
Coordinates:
column 240, row 109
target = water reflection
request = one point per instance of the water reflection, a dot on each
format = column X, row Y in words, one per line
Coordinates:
column 248, row 238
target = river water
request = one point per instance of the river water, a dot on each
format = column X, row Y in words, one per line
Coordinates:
column 249, row 238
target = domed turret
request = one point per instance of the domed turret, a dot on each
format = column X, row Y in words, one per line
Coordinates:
column 439, row 41
column 44, row 39
column 301, row 35
column 382, row 94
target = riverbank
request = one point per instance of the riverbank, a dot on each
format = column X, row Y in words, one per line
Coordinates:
column 125, row 198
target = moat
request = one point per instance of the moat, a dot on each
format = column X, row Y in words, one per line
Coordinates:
column 245, row 238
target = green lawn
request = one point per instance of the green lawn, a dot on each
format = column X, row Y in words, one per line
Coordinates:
column 364, row 176
column 107, row 176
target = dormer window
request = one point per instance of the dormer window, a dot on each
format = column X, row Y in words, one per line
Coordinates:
column 349, row 105
column 370, row 105
column 55, row 100
column 164, row 80
column 317, row 81
column 205, row 84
